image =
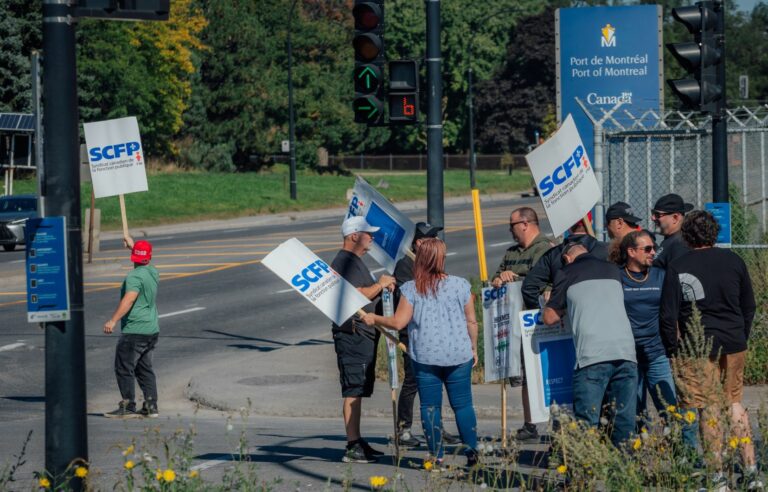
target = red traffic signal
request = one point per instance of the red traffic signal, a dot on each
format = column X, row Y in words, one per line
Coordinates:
column 367, row 16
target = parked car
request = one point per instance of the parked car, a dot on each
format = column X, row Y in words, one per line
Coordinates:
column 14, row 212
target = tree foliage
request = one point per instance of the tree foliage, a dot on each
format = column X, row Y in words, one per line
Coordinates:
column 20, row 34
column 512, row 105
column 140, row 69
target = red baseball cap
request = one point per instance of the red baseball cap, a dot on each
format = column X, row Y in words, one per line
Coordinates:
column 141, row 252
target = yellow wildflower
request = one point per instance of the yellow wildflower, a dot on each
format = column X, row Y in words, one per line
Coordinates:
column 193, row 474
column 572, row 425
column 428, row 465
column 44, row 483
column 690, row 417
column 671, row 408
column 636, row 445
column 562, row 469
column 377, row 482
column 678, row 416
column 746, row 440
column 169, row 475
column 128, row 465
column 128, row 450
column 81, row 471
column 734, row 442
column 712, row 423
column 159, row 474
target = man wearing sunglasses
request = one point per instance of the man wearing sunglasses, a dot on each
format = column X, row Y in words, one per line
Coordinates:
column 668, row 215
column 517, row 261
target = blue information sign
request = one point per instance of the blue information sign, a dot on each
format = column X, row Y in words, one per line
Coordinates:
column 47, row 276
column 722, row 214
column 607, row 55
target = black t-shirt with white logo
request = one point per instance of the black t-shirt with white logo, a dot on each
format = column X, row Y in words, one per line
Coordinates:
column 718, row 282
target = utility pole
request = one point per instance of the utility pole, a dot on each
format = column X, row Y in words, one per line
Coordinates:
column 719, row 117
column 435, row 209
column 66, row 436
column 291, row 113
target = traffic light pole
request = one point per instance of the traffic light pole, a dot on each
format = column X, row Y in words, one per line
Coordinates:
column 66, row 438
column 720, row 119
column 435, row 210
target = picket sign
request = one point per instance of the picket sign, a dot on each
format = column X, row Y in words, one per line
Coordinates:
column 116, row 160
column 501, row 330
column 564, row 177
column 393, row 239
column 550, row 358
column 318, row 283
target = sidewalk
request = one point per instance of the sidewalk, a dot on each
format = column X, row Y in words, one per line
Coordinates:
column 273, row 384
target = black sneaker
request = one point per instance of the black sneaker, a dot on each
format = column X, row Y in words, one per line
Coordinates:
column 125, row 410
column 528, row 432
column 449, row 438
column 407, row 439
column 369, row 450
column 356, row 454
column 471, row 459
column 149, row 410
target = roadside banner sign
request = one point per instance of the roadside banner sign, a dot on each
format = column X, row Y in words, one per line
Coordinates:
column 394, row 238
column 721, row 211
column 501, row 331
column 47, row 272
column 115, row 156
column 606, row 56
column 314, row 279
column 550, row 358
column 564, row 177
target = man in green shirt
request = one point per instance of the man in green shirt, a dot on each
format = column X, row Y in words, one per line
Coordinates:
column 140, row 329
column 531, row 245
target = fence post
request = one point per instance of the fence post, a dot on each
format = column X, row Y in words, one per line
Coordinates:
column 361, row 160
column 648, row 184
column 762, row 175
column 390, row 161
column 698, row 171
column 744, row 168
column 626, row 170
column 672, row 164
column 599, row 214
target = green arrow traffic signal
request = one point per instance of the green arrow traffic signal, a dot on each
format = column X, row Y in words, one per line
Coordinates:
column 367, row 78
column 367, row 109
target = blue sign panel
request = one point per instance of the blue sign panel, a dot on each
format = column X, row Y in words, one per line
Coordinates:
column 722, row 214
column 557, row 362
column 390, row 233
column 607, row 55
column 47, row 276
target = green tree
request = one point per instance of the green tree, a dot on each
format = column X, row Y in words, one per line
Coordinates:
column 140, row 69
column 20, row 34
column 513, row 104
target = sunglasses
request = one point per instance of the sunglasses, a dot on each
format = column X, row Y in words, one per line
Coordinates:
column 659, row 215
column 646, row 249
column 513, row 224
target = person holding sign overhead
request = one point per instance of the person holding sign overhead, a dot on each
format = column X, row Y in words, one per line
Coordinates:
column 140, row 329
column 439, row 311
column 354, row 342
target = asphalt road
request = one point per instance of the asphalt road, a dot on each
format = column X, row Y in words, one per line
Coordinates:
column 215, row 300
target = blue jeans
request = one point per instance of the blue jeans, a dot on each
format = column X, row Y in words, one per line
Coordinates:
column 656, row 377
column 458, row 384
column 617, row 381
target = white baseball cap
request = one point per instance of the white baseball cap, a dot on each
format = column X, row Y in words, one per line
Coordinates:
column 356, row 224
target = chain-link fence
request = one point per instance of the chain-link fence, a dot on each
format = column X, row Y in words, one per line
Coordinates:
column 646, row 155
column 418, row 162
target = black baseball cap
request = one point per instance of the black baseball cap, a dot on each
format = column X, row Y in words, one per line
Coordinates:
column 621, row 210
column 424, row 229
column 672, row 203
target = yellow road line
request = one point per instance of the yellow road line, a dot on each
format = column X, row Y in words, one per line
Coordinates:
column 13, row 293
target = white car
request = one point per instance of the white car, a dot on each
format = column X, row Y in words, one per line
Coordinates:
column 15, row 210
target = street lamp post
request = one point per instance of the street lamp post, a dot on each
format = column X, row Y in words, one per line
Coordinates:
column 291, row 114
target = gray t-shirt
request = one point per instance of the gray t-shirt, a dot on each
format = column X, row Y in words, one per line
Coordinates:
column 590, row 291
column 438, row 328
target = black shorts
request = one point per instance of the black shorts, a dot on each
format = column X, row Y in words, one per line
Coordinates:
column 356, row 357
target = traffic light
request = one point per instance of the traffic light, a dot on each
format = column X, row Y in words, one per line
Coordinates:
column 403, row 91
column 703, row 58
column 369, row 61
